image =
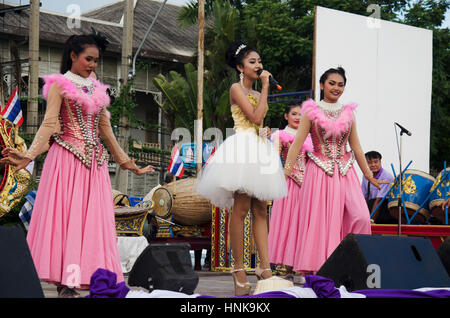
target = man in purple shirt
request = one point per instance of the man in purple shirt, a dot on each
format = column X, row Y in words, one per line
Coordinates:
column 372, row 194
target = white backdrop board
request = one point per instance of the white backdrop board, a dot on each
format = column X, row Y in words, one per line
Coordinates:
column 389, row 74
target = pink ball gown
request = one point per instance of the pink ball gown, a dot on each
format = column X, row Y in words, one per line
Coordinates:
column 285, row 212
column 330, row 202
column 72, row 231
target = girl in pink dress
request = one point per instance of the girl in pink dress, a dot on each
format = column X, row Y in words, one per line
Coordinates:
column 284, row 218
column 72, row 231
column 331, row 201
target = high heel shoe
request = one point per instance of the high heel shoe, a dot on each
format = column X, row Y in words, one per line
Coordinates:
column 240, row 289
column 259, row 271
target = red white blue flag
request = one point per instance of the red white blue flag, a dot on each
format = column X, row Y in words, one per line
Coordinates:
column 12, row 110
column 176, row 166
column 210, row 156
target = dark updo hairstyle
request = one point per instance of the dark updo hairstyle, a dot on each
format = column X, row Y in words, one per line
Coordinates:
column 242, row 49
column 325, row 75
column 77, row 44
column 287, row 110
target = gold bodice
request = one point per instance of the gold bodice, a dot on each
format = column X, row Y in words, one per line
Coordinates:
column 241, row 122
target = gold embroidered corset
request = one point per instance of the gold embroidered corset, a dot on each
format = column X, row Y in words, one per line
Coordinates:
column 298, row 170
column 331, row 148
column 79, row 133
column 241, row 122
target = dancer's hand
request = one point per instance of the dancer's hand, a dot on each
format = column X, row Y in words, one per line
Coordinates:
column 264, row 76
column 377, row 182
column 14, row 157
column 445, row 203
column 265, row 132
column 131, row 165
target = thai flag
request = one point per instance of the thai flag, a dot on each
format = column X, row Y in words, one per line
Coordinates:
column 12, row 110
column 210, row 156
column 176, row 166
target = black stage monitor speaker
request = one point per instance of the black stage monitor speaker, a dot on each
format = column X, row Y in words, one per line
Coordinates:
column 164, row 266
column 386, row 262
column 444, row 253
column 18, row 277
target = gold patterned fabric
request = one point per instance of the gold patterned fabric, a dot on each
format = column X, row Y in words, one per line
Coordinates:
column 241, row 122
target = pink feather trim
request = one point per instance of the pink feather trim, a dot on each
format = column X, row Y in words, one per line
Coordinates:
column 286, row 137
column 332, row 127
column 93, row 104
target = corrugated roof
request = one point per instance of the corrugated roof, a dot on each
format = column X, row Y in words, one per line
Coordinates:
column 165, row 42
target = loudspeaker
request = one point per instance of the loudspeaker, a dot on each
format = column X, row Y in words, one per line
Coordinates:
column 386, row 262
column 18, row 277
column 164, row 266
column 444, row 254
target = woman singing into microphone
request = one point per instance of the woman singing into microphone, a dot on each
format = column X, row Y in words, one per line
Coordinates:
column 246, row 170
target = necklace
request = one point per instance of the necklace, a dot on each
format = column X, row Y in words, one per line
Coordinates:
column 331, row 110
column 291, row 130
column 82, row 83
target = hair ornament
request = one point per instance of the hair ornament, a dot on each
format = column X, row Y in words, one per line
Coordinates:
column 239, row 49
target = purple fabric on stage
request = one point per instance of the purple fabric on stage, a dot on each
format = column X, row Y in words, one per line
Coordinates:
column 104, row 285
column 323, row 287
column 404, row 293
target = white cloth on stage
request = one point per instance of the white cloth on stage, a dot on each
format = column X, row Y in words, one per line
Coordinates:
column 158, row 293
column 130, row 247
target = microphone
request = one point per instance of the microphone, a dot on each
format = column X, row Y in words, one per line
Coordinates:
column 271, row 80
column 403, row 129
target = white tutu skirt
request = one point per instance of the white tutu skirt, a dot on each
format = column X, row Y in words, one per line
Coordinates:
column 246, row 163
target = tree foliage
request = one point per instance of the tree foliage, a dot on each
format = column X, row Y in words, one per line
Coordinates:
column 282, row 31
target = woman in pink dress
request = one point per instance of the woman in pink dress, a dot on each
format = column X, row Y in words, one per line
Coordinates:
column 284, row 217
column 331, row 201
column 72, row 231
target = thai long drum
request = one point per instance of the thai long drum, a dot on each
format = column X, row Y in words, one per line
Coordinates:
column 130, row 220
column 188, row 207
column 441, row 191
column 416, row 186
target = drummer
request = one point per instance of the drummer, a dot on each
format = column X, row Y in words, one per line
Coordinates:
column 372, row 194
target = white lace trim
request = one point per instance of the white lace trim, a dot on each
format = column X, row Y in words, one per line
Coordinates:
column 329, row 106
column 80, row 81
column 290, row 130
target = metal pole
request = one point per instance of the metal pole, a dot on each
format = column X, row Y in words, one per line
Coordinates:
column 133, row 70
column 33, row 79
column 127, row 49
column 200, row 70
column 400, row 201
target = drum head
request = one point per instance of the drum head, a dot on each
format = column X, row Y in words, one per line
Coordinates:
column 162, row 202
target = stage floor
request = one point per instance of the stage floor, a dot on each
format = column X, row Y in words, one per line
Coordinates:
column 210, row 283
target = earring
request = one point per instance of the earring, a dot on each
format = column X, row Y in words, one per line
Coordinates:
column 241, row 77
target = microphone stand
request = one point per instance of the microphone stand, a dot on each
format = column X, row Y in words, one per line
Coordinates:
column 400, row 201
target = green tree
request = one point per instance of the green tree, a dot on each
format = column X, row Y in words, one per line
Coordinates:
column 180, row 101
column 282, row 31
column 430, row 15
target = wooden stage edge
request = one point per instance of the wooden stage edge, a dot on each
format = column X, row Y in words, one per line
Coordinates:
column 435, row 233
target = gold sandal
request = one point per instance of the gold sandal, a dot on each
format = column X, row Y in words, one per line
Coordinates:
column 240, row 289
column 259, row 271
